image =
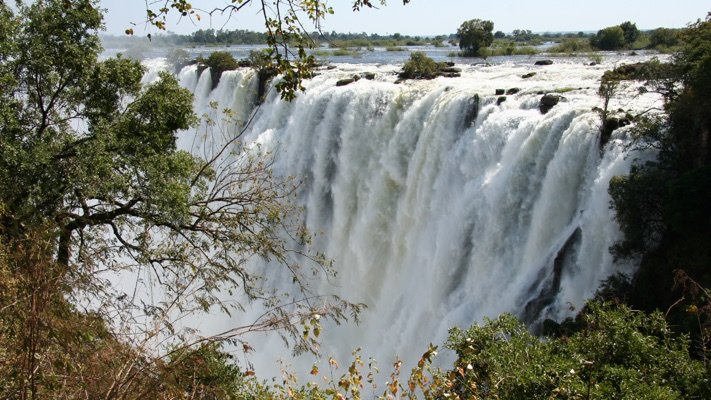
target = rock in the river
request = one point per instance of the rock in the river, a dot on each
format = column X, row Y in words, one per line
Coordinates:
column 548, row 101
column 513, row 91
column 348, row 81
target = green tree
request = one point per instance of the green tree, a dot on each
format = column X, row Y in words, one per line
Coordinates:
column 662, row 205
column 663, row 37
column 610, row 38
column 522, row 35
column 89, row 156
column 474, row 35
column 631, row 33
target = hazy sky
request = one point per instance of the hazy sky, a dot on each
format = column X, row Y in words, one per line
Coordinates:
column 430, row 17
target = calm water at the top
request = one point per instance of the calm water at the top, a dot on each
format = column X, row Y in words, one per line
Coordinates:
column 379, row 55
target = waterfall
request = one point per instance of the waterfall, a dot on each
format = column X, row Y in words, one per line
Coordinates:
column 438, row 206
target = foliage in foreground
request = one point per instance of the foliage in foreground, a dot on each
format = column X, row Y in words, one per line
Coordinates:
column 618, row 353
column 51, row 349
column 662, row 206
column 95, row 190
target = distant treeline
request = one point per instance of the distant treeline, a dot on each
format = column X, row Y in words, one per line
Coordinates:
column 207, row 37
column 212, row 37
column 202, row 37
column 625, row 35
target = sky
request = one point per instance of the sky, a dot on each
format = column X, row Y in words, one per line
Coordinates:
column 433, row 17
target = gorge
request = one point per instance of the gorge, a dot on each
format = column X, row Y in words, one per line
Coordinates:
column 439, row 203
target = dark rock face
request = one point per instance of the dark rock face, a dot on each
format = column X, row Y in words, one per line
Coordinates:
column 528, row 75
column 548, row 101
column 547, row 286
column 513, row 91
column 200, row 69
column 369, row 76
column 264, row 75
column 499, row 92
column 472, row 111
column 543, row 62
column 610, row 125
column 348, row 81
column 500, row 100
column 215, row 75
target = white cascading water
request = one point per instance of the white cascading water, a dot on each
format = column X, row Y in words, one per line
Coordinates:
column 438, row 207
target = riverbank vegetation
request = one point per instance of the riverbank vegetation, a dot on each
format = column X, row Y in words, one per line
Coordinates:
column 94, row 190
column 517, row 42
column 662, row 205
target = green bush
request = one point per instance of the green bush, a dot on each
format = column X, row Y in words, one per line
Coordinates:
column 663, row 38
column 219, row 62
column 619, row 354
column 610, row 38
column 572, row 45
column 419, row 67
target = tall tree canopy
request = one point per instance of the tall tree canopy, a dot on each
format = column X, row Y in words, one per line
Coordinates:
column 610, row 38
column 88, row 155
column 94, row 188
column 474, row 35
column 663, row 205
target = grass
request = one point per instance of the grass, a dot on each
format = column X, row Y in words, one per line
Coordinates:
column 337, row 53
column 500, row 51
column 572, row 46
column 365, row 43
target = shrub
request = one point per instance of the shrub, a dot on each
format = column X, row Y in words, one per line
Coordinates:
column 419, row 67
column 611, row 38
column 663, row 37
column 218, row 62
column 571, row 45
column 619, row 353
